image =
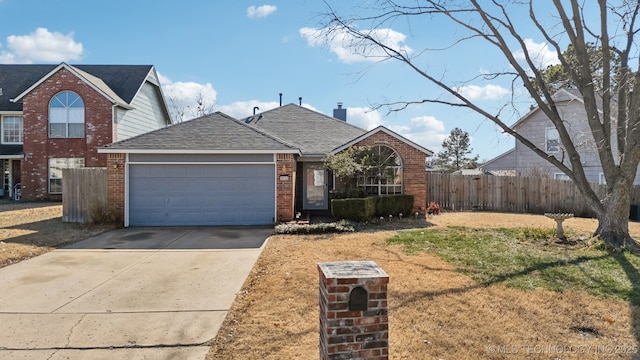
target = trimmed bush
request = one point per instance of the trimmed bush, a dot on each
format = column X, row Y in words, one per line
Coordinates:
column 364, row 209
column 394, row 204
column 356, row 209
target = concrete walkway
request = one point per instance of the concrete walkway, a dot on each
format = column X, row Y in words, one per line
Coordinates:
column 137, row 293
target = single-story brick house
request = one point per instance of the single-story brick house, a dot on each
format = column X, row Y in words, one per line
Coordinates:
column 217, row 170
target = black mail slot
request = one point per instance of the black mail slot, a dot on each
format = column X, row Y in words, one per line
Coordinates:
column 358, row 299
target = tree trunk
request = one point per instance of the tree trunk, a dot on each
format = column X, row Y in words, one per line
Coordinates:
column 613, row 220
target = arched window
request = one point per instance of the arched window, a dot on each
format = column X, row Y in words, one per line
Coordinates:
column 66, row 116
column 383, row 173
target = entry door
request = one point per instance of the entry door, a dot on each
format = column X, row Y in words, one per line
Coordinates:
column 316, row 191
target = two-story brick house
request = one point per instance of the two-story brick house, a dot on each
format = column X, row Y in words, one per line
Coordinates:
column 56, row 116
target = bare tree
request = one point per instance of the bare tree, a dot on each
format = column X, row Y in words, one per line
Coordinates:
column 181, row 110
column 612, row 114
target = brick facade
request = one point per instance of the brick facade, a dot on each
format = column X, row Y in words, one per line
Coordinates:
column 37, row 145
column 115, row 182
column 354, row 321
column 285, row 188
column 414, row 177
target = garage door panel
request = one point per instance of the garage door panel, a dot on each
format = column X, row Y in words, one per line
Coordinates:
column 201, row 194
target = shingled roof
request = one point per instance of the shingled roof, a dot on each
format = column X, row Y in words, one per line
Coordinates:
column 310, row 131
column 122, row 80
column 216, row 132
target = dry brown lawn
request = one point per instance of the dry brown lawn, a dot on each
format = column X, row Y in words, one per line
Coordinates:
column 434, row 311
column 31, row 229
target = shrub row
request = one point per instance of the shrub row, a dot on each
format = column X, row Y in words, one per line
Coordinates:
column 363, row 209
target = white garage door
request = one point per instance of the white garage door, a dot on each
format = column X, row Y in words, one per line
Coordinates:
column 191, row 195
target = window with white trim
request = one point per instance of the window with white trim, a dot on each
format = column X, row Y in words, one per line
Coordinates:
column 561, row 176
column 55, row 171
column 552, row 140
column 12, row 130
column 66, row 115
column 601, row 179
column 383, row 175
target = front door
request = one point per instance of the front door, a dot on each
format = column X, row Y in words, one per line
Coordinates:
column 316, row 191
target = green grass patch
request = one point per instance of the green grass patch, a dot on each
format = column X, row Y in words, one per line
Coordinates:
column 528, row 258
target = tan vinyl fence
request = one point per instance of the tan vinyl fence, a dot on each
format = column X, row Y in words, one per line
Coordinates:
column 83, row 189
column 511, row 194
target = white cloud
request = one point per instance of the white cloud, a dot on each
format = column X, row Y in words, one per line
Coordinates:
column 365, row 118
column 41, row 46
column 351, row 49
column 540, row 53
column 424, row 130
column 487, row 92
column 254, row 12
column 182, row 97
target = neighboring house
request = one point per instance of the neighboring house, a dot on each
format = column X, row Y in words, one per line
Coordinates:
column 216, row 170
column 537, row 128
column 56, row 116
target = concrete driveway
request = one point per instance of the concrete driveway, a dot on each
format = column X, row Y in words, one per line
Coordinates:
column 136, row 293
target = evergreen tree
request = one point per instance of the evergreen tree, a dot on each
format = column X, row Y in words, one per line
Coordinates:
column 455, row 151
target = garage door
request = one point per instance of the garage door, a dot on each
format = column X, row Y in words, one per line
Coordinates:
column 190, row 195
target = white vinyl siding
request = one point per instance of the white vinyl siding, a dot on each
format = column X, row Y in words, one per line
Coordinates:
column 148, row 114
column 534, row 129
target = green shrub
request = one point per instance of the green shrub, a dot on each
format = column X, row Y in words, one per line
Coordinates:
column 364, row 209
column 360, row 209
column 393, row 205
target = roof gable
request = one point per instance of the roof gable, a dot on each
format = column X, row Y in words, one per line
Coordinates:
column 214, row 133
column 560, row 96
column 118, row 83
column 314, row 133
column 388, row 132
column 508, row 156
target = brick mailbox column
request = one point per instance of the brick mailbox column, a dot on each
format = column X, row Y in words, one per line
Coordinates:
column 353, row 311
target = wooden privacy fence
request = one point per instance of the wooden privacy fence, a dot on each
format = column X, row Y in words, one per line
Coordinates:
column 83, row 190
column 511, row 194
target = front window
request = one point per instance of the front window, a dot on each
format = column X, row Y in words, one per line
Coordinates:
column 12, row 130
column 66, row 116
column 55, row 171
column 383, row 172
column 552, row 140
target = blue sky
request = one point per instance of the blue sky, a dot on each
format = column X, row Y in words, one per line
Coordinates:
column 241, row 54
